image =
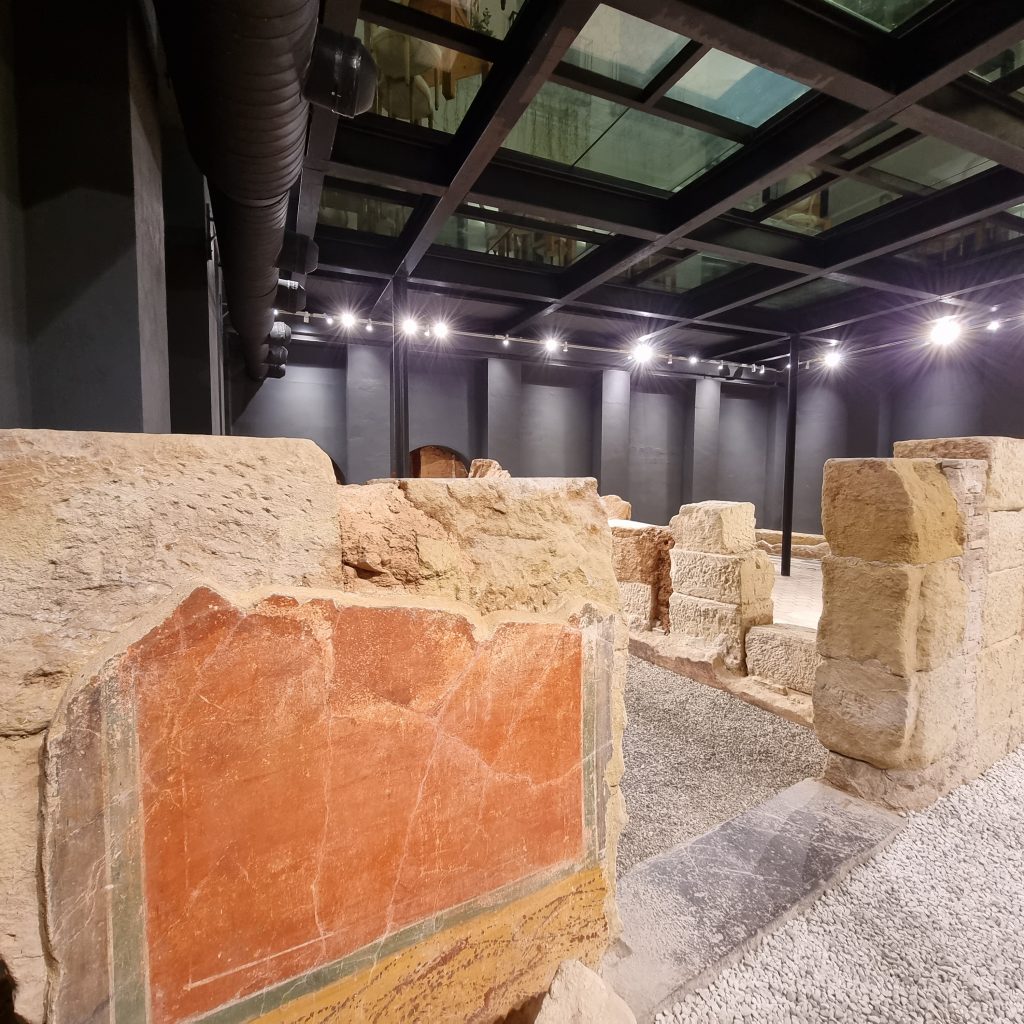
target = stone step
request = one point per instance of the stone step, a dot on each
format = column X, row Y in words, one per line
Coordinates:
column 688, row 913
column 783, row 655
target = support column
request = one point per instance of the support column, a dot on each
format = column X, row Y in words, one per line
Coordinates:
column 504, row 407
column 367, row 412
column 790, row 463
column 707, row 406
column 399, row 379
column 613, row 454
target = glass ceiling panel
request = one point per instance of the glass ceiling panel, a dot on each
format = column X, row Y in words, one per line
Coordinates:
column 1002, row 64
column 778, row 189
column 491, row 17
column 514, row 243
column 680, row 276
column 974, row 240
column 840, row 201
column 421, row 82
column 887, row 14
column 355, row 212
column 622, row 47
column 932, row 163
column 536, row 216
column 730, row 87
column 574, row 128
column 806, row 294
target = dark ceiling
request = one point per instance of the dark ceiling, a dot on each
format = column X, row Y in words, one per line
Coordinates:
column 714, row 174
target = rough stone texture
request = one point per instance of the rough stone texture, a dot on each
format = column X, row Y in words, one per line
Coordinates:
column 436, row 462
column 95, row 528
column 722, row 625
column 228, row 717
column 1003, row 614
column 507, row 544
column 640, row 554
column 1005, row 541
column 616, row 507
column 637, row 605
column 913, row 519
column 805, row 545
column 745, row 578
column 579, row 996
column 784, row 655
column 906, row 617
column 717, row 527
column 487, row 468
column 1004, row 457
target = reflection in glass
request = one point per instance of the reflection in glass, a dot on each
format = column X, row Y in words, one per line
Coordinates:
column 355, row 212
column 732, row 88
column 1003, row 64
column 622, row 47
column 574, row 128
column 840, row 201
column 806, row 294
column 421, row 82
column 680, row 276
column 973, row 240
column 932, row 163
column 509, row 242
column 778, row 189
column 491, row 17
column 887, row 14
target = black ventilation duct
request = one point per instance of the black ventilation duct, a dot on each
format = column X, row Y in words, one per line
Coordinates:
column 238, row 68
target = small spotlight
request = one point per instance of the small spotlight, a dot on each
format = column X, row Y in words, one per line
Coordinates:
column 409, row 326
column 721, row 366
column 505, row 341
column 762, row 369
column 944, row 331
column 330, row 321
column 642, row 353
column 692, row 360
column 565, row 346
column 276, row 311
column 369, row 327
column 788, row 365
column 994, row 325
column 670, row 360
column 440, row 330
column 348, row 320
column 550, row 344
column 832, row 359
column 832, row 341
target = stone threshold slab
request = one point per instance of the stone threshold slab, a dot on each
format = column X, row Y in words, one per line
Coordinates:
column 704, row 665
column 689, row 912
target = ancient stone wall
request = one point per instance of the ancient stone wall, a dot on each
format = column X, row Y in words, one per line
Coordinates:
column 920, row 687
column 721, row 582
column 387, row 780
column 641, row 561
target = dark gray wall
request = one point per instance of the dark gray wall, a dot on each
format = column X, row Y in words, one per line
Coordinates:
column 745, row 418
column 15, row 401
column 444, row 404
column 556, row 428
column 659, row 442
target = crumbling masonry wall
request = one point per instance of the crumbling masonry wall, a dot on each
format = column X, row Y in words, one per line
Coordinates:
column 920, row 687
column 212, row 644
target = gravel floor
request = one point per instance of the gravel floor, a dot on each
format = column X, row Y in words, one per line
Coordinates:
column 931, row 930
column 696, row 756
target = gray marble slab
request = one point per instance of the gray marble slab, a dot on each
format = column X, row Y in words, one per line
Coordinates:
column 688, row 912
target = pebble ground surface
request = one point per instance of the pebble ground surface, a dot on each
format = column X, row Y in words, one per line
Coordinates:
column 931, row 930
column 696, row 756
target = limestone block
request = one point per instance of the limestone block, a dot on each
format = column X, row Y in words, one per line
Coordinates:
column 616, row 507
column 890, row 510
column 487, row 468
column 906, row 617
column 1000, row 694
column 640, row 554
column 1004, row 455
column 719, row 625
column 95, row 528
column 579, row 996
column 637, row 605
column 733, row 579
column 784, row 655
column 496, row 544
column 888, row 720
column 717, row 527
column 1003, row 615
column 1005, row 541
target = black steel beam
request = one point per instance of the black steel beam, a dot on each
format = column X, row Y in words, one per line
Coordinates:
column 789, row 471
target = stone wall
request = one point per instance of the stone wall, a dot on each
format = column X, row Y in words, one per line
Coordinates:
column 641, row 560
column 921, row 635
column 328, row 711
column 805, row 545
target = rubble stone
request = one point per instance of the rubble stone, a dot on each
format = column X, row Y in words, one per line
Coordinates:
column 487, row 468
column 579, row 996
column 1005, row 541
column 733, row 579
column 890, row 510
column 1004, row 456
column 640, row 554
column 616, row 507
column 716, row 527
column 637, row 605
column 1003, row 614
column 783, row 654
column 720, row 625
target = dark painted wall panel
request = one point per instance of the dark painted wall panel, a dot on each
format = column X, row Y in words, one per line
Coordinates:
column 744, row 425
column 443, row 404
column 658, row 445
column 557, row 422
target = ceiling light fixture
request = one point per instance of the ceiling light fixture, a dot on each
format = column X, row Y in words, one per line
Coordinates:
column 348, row 320
column 833, row 359
column 440, row 330
column 692, row 360
column 565, row 346
column 994, row 325
column 642, row 353
column 369, row 327
column 505, row 341
column 330, row 321
column 409, row 326
column 945, row 331
column 550, row 344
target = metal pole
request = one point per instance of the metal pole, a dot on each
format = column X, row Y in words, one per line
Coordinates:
column 787, row 485
column 399, row 379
